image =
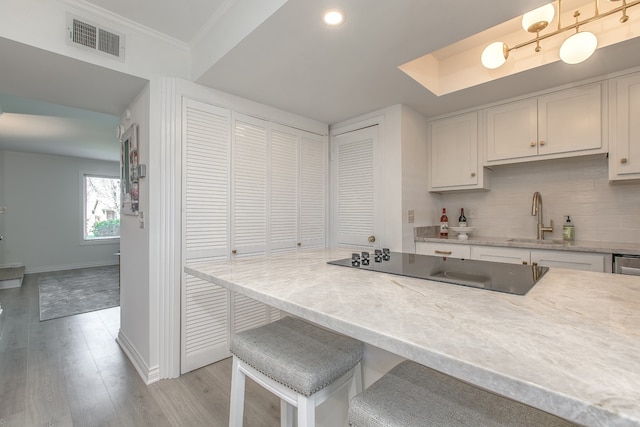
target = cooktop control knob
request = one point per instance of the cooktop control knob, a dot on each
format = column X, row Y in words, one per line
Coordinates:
column 365, row 258
column 377, row 255
column 355, row 260
column 386, row 254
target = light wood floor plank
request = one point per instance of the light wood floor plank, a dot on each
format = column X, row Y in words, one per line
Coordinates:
column 71, row 372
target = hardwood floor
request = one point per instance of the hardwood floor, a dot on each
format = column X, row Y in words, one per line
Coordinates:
column 71, row 372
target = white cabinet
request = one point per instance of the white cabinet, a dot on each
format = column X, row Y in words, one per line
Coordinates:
column 587, row 261
column 624, row 137
column 448, row 250
column 565, row 123
column 500, row 254
column 249, row 186
column 454, row 148
column 572, row 260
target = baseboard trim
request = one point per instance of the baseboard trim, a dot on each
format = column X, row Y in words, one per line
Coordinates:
column 148, row 375
column 47, row 269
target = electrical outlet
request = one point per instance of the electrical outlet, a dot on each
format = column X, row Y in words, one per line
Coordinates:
column 410, row 216
column 141, row 219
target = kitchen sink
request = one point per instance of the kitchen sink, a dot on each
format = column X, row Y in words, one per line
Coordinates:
column 537, row 241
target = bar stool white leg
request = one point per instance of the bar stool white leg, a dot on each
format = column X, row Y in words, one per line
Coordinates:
column 356, row 386
column 306, row 411
column 237, row 395
column 287, row 414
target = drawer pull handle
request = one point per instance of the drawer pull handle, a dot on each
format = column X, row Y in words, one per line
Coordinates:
column 473, row 174
column 442, row 252
column 533, row 143
column 524, row 263
column 541, row 142
column 535, row 264
column 623, row 160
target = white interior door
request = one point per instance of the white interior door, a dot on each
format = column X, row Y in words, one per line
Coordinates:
column 356, row 216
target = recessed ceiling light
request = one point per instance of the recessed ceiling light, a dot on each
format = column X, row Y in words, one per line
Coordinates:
column 333, row 17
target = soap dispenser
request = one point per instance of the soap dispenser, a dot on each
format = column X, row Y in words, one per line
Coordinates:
column 568, row 231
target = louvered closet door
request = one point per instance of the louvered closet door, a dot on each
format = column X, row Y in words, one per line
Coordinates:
column 283, row 200
column 355, row 187
column 249, row 210
column 205, row 307
column 313, row 186
column 249, row 185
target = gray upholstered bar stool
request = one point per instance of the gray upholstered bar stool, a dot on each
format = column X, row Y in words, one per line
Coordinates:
column 300, row 363
column 412, row 395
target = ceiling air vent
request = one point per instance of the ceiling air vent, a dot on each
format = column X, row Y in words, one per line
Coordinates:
column 87, row 35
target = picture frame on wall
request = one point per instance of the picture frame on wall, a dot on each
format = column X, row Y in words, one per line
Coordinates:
column 129, row 178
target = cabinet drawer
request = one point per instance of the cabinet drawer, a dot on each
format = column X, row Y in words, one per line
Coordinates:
column 572, row 260
column 499, row 254
column 443, row 250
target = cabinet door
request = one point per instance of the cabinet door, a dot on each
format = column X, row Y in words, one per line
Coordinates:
column 571, row 120
column 500, row 254
column 454, row 151
column 283, row 185
column 206, row 136
column 446, row 250
column 512, row 130
column 313, row 190
column 572, row 260
column 249, row 185
column 624, row 157
column 355, row 210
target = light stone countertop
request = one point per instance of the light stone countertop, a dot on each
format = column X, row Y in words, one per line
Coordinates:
column 577, row 246
column 571, row 346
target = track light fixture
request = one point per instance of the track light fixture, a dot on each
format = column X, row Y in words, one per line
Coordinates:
column 575, row 49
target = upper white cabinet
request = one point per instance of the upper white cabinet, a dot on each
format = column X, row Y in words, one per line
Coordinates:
column 624, row 136
column 566, row 123
column 454, row 149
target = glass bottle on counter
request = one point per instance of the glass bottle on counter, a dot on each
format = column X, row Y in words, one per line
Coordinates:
column 462, row 220
column 444, row 224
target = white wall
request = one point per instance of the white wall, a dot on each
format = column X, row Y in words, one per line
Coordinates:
column 578, row 187
column 2, row 227
column 42, row 24
column 135, row 287
column 44, row 218
column 415, row 195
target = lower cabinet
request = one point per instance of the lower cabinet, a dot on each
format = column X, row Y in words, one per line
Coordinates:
column 586, row 261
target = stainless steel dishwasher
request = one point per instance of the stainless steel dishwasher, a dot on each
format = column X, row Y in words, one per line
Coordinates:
column 626, row 264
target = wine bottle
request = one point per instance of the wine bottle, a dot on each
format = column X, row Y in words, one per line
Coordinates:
column 462, row 221
column 444, row 224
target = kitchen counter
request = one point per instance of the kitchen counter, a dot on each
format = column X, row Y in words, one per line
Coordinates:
column 577, row 246
column 571, row 346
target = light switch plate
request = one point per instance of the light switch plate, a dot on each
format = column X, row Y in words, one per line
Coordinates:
column 410, row 216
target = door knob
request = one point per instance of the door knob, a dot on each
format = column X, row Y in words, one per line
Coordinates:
column 234, row 251
column 372, row 239
column 623, row 160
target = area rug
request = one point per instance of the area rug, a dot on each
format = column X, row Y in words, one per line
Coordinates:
column 72, row 292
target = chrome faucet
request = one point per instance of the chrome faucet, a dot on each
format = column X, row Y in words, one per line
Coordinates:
column 536, row 209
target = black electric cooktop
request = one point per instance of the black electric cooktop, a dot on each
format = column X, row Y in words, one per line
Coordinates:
column 495, row 276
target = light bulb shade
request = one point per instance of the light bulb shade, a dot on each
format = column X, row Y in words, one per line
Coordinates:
column 538, row 19
column 494, row 55
column 579, row 47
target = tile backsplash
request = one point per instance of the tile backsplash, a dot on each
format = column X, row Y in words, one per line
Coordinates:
column 580, row 187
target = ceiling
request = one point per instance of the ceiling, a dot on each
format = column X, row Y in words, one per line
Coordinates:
column 293, row 62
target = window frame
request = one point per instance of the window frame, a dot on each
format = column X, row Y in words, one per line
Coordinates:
column 83, row 200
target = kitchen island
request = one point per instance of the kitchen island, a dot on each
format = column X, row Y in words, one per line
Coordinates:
column 570, row 346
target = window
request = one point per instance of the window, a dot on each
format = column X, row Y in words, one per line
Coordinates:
column 101, row 207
